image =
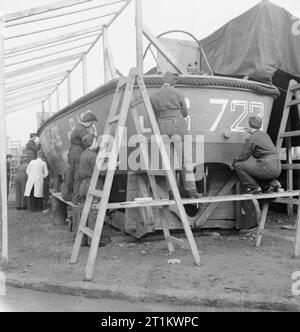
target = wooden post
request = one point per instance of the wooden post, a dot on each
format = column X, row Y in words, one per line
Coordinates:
column 105, row 59
column 50, row 104
column 4, row 251
column 69, row 87
column 57, row 99
column 139, row 35
column 289, row 160
column 84, row 74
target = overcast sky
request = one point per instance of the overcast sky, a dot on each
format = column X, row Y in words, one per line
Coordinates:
column 200, row 17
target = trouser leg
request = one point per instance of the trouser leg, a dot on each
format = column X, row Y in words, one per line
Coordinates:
column 32, row 202
column 77, row 183
column 18, row 190
column 246, row 179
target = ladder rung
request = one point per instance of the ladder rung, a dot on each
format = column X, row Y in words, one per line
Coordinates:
column 295, row 87
column 97, row 193
column 293, row 102
column 114, row 119
column 291, row 133
column 87, row 231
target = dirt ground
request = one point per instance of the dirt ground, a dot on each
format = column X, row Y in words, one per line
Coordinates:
column 231, row 265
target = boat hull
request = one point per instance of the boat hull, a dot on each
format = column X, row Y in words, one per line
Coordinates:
column 219, row 109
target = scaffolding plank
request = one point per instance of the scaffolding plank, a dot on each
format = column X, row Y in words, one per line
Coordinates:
column 42, row 65
column 42, row 9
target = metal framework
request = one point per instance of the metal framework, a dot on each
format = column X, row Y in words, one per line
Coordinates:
column 36, row 89
column 18, row 91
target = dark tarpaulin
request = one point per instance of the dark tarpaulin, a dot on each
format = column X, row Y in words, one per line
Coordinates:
column 263, row 43
column 257, row 43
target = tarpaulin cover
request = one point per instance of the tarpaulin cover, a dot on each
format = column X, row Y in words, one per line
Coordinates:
column 257, row 43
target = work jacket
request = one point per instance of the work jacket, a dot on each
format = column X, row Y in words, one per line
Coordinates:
column 168, row 99
column 258, row 145
column 87, row 163
column 37, row 170
column 77, row 147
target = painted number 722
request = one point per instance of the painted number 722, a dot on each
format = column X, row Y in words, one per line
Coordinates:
column 241, row 107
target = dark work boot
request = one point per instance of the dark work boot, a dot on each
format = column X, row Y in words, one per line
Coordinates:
column 194, row 194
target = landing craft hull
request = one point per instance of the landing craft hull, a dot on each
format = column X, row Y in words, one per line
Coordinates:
column 219, row 108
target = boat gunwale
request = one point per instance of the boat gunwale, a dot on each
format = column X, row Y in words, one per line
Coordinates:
column 96, row 94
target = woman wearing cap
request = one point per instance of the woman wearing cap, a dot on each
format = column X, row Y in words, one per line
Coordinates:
column 77, row 147
column 258, row 160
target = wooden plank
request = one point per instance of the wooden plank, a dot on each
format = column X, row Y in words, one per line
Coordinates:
column 290, row 166
column 295, row 87
column 30, row 90
column 294, row 102
column 64, row 14
column 58, row 27
column 43, row 9
column 64, row 38
column 105, row 59
column 262, row 223
column 211, row 207
column 28, row 94
column 164, row 52
column 286, row 201
column 26, row 84
column 3, row 177
column 139, row 35
column 22, row 106
column 127, row 2
column 87, row 231
column 43, row 65
column 9, row 107
column 203, row 200
column 153, row 184
column 291, row 133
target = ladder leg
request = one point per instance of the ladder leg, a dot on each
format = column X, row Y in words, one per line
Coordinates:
column 262, row 223
column 297, row 238
column 80, row 234
column 95, row 242
column 170, row 174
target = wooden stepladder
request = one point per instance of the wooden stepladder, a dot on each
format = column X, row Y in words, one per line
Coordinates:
column 292, row 99
column 121, row 104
